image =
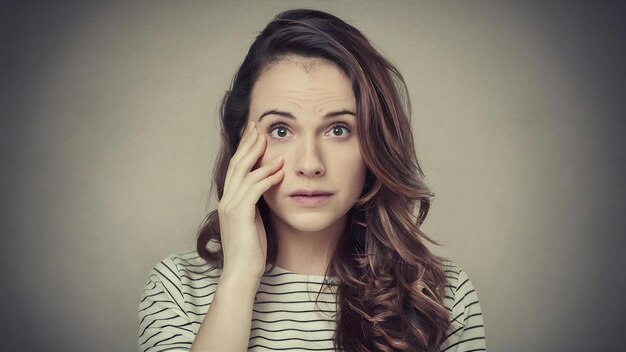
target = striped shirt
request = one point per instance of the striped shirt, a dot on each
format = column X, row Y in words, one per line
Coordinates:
column 287, row 312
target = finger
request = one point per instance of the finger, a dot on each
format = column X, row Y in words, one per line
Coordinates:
column 248, row 141
column 249, row 132
column 242, row 166
column 236, row 167
column 246, row 130
column 255, row 177
column 256, row 191
column 252, row 158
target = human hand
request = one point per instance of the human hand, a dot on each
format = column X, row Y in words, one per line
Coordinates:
column 244, row 241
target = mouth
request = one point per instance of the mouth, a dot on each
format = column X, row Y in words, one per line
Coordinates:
column 310, row 200
column 310, row 192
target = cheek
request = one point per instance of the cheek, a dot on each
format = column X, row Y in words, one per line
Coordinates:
column 351, row 168
column 358, row 175
column 271, row 152
column 360, row 171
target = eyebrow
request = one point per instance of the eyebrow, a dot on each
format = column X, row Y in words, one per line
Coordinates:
column 289, row 115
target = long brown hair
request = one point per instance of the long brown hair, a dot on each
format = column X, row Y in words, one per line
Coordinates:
column 390, row 287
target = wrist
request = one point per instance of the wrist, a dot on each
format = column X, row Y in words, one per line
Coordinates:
column 238, row 283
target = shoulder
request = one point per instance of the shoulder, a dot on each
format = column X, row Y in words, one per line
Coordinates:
column 459, row 289
column 168, row 310
column 456, row 278
column 466, row 320
column 189, row 261
column 452, row 270
column 183, row 266
column 184, row 282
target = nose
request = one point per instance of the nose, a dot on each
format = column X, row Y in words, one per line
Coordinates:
column 309, row 160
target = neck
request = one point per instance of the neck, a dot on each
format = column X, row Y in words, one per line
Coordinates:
column 305, row 252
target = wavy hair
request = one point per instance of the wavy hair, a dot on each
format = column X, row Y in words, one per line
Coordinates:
column 390, row 287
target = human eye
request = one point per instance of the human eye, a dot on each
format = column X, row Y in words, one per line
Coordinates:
column 278, row 130
column 340, row 130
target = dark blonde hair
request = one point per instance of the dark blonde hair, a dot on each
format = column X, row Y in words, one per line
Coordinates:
column 390, row 287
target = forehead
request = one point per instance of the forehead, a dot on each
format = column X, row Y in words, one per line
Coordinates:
column 302, row 84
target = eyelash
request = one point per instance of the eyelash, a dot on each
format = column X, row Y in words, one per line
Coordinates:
column 274, row 126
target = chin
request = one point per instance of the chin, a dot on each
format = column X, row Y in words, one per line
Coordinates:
column 308, row 221
column 305, row 219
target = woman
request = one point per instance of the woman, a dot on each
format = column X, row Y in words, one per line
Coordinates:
column 315, row 243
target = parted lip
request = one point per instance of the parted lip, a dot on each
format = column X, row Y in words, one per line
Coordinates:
column 310, row 192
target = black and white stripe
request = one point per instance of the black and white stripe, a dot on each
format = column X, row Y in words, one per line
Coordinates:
column 285, row 316
column 467, row 331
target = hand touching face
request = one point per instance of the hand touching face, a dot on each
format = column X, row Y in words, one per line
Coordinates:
column 307, row 110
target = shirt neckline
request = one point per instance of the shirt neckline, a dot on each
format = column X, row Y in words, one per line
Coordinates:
column 306, row 277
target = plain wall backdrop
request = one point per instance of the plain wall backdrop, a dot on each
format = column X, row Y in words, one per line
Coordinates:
column 109, row 133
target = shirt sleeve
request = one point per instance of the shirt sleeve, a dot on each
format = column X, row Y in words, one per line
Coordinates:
column 467, row 328
column 163, row 323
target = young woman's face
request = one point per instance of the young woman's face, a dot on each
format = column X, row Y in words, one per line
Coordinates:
column 307, row 110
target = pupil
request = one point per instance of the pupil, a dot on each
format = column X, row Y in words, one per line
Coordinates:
column 338, row 131
column 282, row 132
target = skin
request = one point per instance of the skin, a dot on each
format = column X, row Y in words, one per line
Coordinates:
column 319, row 153
column 310, row 152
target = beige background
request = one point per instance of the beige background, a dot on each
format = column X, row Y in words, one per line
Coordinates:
column 108, row 136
